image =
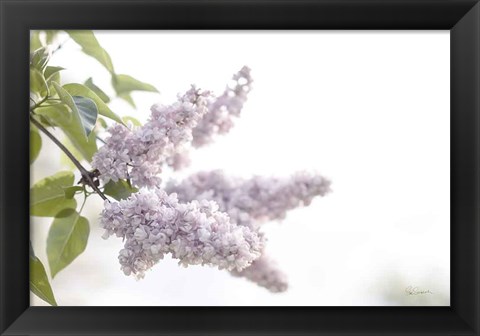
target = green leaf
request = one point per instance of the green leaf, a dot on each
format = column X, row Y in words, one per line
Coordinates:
column 71, row 191
column 128, row 98
column 134, row 121
column 39, row 284
column 67, row 239
column 38, row 85
column 119, row 190
column 127, row 84
column 64, row 159
column 47, row 197
column 90, row 46
column 44, row 120
column 88, row 112
column 35, row 143
column 54, row 78
column 39, row 59
column 50, row 70
column 99, row 92
column 84, row 110
column 81, row 90
column 67, row 99
column 35, row 42
column 61, row 116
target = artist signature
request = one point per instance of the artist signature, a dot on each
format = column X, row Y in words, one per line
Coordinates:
column 411, row 290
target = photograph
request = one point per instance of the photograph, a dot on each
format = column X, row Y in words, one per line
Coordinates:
column 240, row 167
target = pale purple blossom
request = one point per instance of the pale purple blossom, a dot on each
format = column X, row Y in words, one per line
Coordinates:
column 223, row 109
column 219, row 119
column 208, row 218
column 265, row 273
column 259, row 198
column 153, row 223
column 179, row 160
column 250, row 202
column 139, row 153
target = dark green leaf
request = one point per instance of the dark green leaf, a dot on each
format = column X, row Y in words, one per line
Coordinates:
column 35, row 143
column 88, row 112
column 127, row 84
column 39, row 284
column 81, row 90
column 67, row 99
column 90, row 46
column 47, row 197
column 84, row 110
column 119, row 190
column 67, row 239
column 99, row 92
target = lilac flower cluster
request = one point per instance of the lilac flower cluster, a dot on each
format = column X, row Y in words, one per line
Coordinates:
column 250, row 202
column 138, row 153
column 154, row 223
column 222, row 110
column 195, row 118
column 265, row 273
column 208, row 218
column 219, row 119
column 259, row 198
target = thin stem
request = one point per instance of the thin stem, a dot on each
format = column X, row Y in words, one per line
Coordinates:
column 83, row 171
column 100, row 139
column 59, row 144
column 38, row 104
column 83, row 204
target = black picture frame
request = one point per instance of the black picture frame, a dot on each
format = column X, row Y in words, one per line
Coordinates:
column 461, row 17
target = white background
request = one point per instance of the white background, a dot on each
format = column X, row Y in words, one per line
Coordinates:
column 369, row 110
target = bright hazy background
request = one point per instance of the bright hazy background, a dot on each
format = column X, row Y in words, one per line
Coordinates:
column 369, row 110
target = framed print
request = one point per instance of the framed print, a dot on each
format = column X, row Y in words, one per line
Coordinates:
column 303, row 189
column 224, row 167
